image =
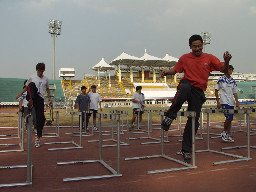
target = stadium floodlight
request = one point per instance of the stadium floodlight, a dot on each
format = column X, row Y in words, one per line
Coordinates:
column 54, row 30
column 206, row 39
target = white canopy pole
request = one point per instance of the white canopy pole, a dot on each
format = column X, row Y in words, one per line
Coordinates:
column 119, row 73
column 142, row 76
column 131, row 75
column 99, row 77
column 109, row 79
column 154, row 75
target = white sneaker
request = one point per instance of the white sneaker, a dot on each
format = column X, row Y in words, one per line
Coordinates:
column 37, row 143
column 95, row 129
column 229, row 139
column 224, row 136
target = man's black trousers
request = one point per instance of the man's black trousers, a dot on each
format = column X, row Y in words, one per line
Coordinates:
column 195, row 98
column 84, row 115
column 38, row 107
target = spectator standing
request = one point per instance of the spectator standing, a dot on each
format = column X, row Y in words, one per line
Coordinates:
column 83, row 105
column 95, row 101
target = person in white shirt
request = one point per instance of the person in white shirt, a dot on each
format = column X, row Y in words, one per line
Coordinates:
column 137, row 105
column 228, row 91
column 23, row 103
column 36, row 87
column 95, row 100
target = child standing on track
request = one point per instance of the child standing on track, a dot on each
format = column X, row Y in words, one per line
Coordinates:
column 228, row 91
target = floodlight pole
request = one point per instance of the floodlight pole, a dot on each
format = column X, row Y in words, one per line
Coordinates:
column 53, row 66
column 54, row 30
column 206, row 36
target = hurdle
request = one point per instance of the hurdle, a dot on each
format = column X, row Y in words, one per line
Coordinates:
column 77, row 145
column 248, row 127
column 112, row 132
column 115, row 173
column 29, row 165
column 57, row 126
column 215, row 135
column 127, row 119
column 238, row 158
column 84, row 132
column 191, row 114
column 19, row 136
column 139, row 131
column 13, row 136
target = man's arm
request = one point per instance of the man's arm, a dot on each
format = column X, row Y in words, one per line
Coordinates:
column 77, row 104
column 49, row 96
column 170, row 72
column 89, row 90
column 24, row 90
column 236, row 99
column 100, row 106
column 217, row 98
column 20, row 104
column 135, row 101
column 227, row 56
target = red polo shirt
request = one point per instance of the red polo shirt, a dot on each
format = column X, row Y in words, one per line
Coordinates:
column 197, row 69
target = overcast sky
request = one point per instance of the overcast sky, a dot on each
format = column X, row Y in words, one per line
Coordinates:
column 92, row 29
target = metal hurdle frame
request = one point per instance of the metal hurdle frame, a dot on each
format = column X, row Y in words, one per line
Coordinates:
column 20, row 136
column 29, row 165
column 14, row 136
column 139, row 131
column 57, row 126
column 127, row 119
column 77, row 146
column 84, row 133
column 253, row 110
column 238, row 158
column 115, row 173
column 191, row 114
column 113, row 132
column 201, row 127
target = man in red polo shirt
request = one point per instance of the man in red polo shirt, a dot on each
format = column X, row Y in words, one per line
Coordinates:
column 196, row 67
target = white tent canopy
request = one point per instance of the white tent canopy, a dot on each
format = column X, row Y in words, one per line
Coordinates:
column 147, row 57
column 125, row 59
column 102, row 66
column 150, row 61
column 170, row 58
column 125, row 56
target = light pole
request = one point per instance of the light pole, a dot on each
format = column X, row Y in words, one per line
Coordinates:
column 54, row 30
column 206, row 38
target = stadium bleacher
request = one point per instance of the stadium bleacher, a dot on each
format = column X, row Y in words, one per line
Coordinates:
column 10, row 87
